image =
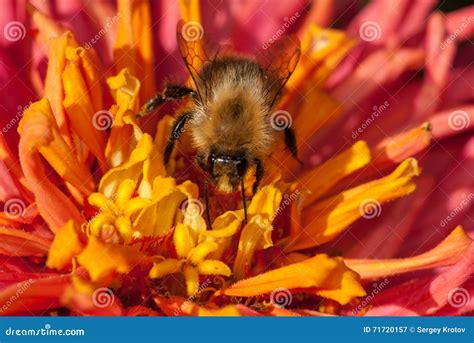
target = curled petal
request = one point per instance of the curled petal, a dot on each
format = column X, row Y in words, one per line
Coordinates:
column 131, row 169
column 256, row 235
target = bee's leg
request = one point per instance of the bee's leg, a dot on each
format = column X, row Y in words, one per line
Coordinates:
column 176, row 131
column 258, row 175
column 243, row 198
column 290, row 141
column 171, row 92
column 208, row 212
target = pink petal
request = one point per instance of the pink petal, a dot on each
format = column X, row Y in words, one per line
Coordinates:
column 423, row 296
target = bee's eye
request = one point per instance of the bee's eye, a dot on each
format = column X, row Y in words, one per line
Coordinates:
column 242, row 165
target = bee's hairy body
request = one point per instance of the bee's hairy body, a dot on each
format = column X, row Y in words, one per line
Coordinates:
column 229, row 112
column 233, row 117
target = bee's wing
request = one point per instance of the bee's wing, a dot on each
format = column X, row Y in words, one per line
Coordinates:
column 191, row 46
column 280, row 60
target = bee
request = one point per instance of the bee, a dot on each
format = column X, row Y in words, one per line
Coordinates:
column 231, row 100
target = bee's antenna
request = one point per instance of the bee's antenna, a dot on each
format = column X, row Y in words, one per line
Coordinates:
column 206, row 197
column 243, row 198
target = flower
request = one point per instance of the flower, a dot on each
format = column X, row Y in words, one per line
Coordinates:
column 359, row 228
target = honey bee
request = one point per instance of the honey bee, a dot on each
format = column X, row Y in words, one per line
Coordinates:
column 231, row 100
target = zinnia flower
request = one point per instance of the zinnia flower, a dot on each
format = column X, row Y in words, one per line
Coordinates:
column 376, row 221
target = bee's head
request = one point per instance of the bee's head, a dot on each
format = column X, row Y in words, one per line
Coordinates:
column 226, row 169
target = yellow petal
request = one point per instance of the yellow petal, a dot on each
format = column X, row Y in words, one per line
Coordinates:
column 256, row 235
column 199, row 253
column 161, row 215
column 224, row 227
column 327, row 219
column 105, row 259
column 124, row 192
column 134, row 205
column 266, row 201
column 131, row 169
column 320, row 274
column 191, row 276
column 448, row 252
column 324, row 177
column 182, row 240
column 154, row 166
column 214, row 267
column 125, row 88
column 99, row 200
column 65, row 246
column 125, row 133
column 167, row 267
column 124, row 226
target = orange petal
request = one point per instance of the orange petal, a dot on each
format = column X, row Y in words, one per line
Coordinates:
column 11, row 163
column 448, row 252
column 325, row 276
column 322, row 50
column 104, row 259
column 14, row 242
column 47, row 27
column 324, row 177
column 53, row 90
column 133, row 46
column 39, row 134
column 395, row 149
column 79, row 106
column 327, row 219
column 35, row 294
column 65, row 246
